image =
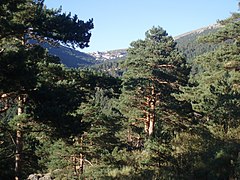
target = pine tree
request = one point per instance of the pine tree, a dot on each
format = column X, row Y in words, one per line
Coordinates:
column 213, row 92
column 103, row 122
column 154, row 70
column 214, row 88
column 23, row 20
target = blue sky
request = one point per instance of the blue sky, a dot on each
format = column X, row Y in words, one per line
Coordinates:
column 118, row 23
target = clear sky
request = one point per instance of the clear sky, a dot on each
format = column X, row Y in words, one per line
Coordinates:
column 119, row 22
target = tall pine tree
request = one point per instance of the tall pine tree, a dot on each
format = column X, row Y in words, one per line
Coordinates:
column 20, row 21
column 154, row 70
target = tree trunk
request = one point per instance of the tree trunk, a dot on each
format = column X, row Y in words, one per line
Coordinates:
column 18, row 151
column 129, row 137
column 4, row 103
column 81, row 160
column 146, row 123
column 81, row 163
column 151, row 124
column 152, row 112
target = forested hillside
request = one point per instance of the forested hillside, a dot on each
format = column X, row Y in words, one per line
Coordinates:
column 188, row 43
column 164, row 114
column 70, row 57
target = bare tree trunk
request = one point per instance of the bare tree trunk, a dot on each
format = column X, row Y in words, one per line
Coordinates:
column 19, row 144
column 152, row 119
column 81, row 160
column 81, row 163
column 18, row 151
column 152, row 112
column 146, row 123
column 129, row 137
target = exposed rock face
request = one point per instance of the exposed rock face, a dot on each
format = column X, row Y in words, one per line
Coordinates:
column 40, row 177
column 109, row 55
column 47, row 176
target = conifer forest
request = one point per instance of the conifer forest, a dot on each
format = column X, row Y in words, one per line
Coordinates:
column 170, row 114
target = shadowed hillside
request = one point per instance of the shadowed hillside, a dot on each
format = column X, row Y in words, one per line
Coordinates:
column 71, row 57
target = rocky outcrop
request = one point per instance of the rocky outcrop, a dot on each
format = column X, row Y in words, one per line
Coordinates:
column 40, row 177
column 47, row 176
column 109, row 55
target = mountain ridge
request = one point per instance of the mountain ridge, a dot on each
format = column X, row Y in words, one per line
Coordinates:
column 74, row 58
column 198, row 31
column 117, row 53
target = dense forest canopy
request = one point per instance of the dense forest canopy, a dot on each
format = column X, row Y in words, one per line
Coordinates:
column 163, row 114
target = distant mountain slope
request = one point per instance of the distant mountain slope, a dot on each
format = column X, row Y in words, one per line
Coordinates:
column 199, row 31
column 187, row 43
column 70, row 57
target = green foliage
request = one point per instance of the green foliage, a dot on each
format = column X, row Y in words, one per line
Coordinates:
column 213, row 91
column 83, row 124
column 190, row 46
column 6, row 152
column 203, row 154
column 59, row 155
column 61, row 27
column 101, row 135
column 111, row 67
column 35, row 82
column 154, row 70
